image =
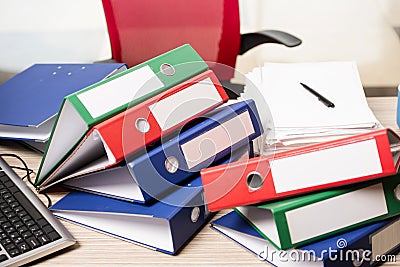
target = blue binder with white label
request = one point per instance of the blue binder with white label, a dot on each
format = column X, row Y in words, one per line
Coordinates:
column 165, row 225
column 182, row 157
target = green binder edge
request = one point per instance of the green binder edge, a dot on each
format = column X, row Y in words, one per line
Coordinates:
column 279, row 208
column 176, row 57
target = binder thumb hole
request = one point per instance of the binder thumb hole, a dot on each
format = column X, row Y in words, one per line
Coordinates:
column 254, row 181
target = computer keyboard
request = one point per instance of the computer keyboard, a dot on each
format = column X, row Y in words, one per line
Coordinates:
column 28, row 230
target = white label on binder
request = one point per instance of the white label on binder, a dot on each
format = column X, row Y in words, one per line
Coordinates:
column 385, row 240
column 326, row 166
column 217, row 139
column 120, row 91
column 186, row 103
column 335, row 213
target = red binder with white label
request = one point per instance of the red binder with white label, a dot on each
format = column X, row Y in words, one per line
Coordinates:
column 107, row 143
column 320, row 166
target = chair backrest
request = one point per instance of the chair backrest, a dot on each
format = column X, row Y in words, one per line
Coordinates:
column 140, row 30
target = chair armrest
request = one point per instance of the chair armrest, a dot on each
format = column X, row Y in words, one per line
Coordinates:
column 250, row 40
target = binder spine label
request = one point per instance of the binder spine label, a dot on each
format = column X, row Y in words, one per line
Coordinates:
column 326, row 166
column 335, row 213
column 385, row 240
column 217, row 139
column 186, row 103
column 121, row 91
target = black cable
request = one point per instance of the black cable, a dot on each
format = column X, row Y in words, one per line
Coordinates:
column 23, row 169
column 28, row 174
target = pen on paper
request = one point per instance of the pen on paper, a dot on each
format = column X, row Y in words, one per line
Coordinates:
column 321, row 98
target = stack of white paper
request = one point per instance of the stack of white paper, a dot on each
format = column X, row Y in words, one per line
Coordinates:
column 293, row 116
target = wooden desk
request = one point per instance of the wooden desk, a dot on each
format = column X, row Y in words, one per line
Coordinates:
column 208, row 248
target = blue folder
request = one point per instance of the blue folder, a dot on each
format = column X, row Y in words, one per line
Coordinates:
column 148, row 172
column 165, row 225
column 30, row 100
column 353, row 248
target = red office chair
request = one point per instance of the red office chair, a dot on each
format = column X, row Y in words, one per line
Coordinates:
column 140, row 30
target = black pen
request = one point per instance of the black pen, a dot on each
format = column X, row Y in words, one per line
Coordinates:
column 324, row 100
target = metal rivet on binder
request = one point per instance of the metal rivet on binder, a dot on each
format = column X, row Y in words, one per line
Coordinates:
column 142, row 125
column 167, row 69
column 59, row 67
column 194, row 216
column 358, row 258
column 171, row 164
column 54, row 73
column 397, row 192
column 83, row 67
column 254, row 181
column 95, row 136
column 69, row 73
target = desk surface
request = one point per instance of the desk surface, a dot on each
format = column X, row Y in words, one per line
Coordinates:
column 208, row 248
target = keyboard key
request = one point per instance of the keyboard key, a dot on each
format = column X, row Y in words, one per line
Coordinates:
column 22, row 229
column 28, row 205
column 18, row 209
column 9, row 230
column 47, row 229
column 10, row 200
column 29, row 223
column 5, row 241
column 6, row 225
column 7, row 210
column 3, row 177
column 18, row 240
column 14, row 235
column 13, row 189
column 10, row 246
column 22, row 213
column 26, row 218
column 33, row 242
column 26, row 234
column 34, row 228
column 3, row 257
column 42, row 223
column 23, row 247
column 38, row 233
column 43, row 239
column 3, row 191
column 53, row 236
column 8, row 184
column 14, row 252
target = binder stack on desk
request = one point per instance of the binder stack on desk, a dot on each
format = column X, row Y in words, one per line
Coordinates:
column 340, row 195
column 133, row 146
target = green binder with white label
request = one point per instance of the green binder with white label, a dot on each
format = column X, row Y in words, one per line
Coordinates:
column 299, row 221
column 91, row 105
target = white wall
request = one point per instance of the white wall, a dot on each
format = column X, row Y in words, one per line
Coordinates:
column 356, row 30
column 43, row 31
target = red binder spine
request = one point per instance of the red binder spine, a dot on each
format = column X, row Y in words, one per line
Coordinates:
column 137, row 127
column 255, row 180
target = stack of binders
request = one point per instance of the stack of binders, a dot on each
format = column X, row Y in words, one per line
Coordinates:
column 132, row 146
column 334, row 203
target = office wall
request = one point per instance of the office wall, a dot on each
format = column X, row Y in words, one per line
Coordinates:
column 47, row 31
column 358, row 30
